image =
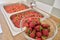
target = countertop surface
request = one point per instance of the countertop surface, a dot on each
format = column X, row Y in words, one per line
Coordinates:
column 8, row 36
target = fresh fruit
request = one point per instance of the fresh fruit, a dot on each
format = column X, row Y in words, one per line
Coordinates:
column 32, row 35
column 45, row 32
column 37, row 21
column 16, row 20
column 38, row 39
column 31, row 24
column 37, row 28
column 45, row 25
column 25, row 24
column 17, row 17
column 38, row 34
column 17, row 24
column 33, row 14
column 29, row 20
column 15, row 7
column 30, row 29
column 37, row 31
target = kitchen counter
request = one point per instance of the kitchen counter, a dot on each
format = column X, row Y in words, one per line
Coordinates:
column 8, row 36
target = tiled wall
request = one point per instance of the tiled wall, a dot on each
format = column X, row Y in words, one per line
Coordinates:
column 50, row 6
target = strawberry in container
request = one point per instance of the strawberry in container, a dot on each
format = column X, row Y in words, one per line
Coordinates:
column 15, row 7
column 34, row 29
column 33, row 13
column 17, row 17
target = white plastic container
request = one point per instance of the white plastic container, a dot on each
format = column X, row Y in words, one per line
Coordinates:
column 13, row 29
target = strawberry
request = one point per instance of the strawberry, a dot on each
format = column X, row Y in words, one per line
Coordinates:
column 45, row 32
column 29, row 19
column 30, row 29
column 32, row 34
column 37, row 28
column 45, row 25
column 39, row 39
column 31, row 24
column 38, row 34
column 25, row 24
column 37, row 20
column 17, row 23
column 15, row 7
column 8, row 9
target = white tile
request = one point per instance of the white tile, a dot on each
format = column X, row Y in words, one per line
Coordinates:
column 49, row 2
column 44, row 7
column 57, row 4
column 56, row 12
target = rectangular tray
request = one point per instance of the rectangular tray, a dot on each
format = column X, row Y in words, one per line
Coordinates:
column 7, row 16
column 11, row 8
column 16, row 18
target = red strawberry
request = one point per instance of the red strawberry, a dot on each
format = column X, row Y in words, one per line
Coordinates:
column 30, row 29
column 25, row 24
column 29, row 19
column 37, row 28
column 45, row 32
column 45, row 25
column 38, row 39
column 38, row 34
column 17, row 24
column 37, row 20
column 32, row 35
column 31, row 24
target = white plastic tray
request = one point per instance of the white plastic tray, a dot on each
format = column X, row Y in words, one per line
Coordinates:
column 13, row 29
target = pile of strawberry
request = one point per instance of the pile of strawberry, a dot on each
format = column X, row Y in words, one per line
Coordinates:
column 35, row 29
column 17, row 17
column 15, row 8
